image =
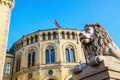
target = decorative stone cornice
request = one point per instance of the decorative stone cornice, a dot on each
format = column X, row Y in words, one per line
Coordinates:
column 8, row 3
column 27, row 70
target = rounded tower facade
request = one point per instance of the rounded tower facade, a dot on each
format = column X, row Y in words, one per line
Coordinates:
column 47, row 55
column 5, row 12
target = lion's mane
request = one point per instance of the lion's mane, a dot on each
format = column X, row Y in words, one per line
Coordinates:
column 101, row 39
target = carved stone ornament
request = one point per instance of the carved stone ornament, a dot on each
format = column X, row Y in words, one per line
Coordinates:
column 98, row 46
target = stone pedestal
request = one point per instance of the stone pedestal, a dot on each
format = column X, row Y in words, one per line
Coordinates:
column 105, row 71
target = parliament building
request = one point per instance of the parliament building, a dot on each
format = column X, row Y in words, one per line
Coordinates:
column 44, row 55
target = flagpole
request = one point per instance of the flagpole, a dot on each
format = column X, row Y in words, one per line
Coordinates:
column 54, row 24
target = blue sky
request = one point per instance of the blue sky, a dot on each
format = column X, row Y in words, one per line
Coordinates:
column 31, row 15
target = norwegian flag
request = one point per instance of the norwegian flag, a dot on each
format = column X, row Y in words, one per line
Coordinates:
column 55, row 22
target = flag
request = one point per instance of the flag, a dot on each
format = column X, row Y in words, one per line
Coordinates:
column 55, row 22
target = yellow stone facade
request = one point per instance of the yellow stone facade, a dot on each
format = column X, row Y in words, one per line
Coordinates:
column 8, row 61
column 5, row 12
column 60, row 40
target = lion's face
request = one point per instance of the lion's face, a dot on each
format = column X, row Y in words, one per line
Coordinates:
column 86, row 36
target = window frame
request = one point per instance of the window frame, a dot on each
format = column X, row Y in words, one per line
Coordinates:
column 8, row 69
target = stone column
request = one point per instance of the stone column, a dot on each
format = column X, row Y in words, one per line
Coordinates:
column 5, row 12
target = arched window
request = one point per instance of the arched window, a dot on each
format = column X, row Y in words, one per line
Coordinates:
column 49, row 36
column 31, row 39
column 70, row 55
column 50, row 54
column 73, row 35
column 21, row 44
column 68, row 35
column 54, row 35
column 36, row 38
column 16, row 47
column 31, row 58
column 63, row 35
column 44, row 36
column 18, row 62
column 27, row 41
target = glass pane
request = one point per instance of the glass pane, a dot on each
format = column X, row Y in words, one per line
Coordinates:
column 33, row 59
column 52, row 56
column 72, row 55
column 19, row 59
column 29, row 60
column 67, row 55
column 16, row 65
column 47, row 56
column 7, row 71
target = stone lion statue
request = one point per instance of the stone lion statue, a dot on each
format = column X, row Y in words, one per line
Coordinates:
column 97, row 45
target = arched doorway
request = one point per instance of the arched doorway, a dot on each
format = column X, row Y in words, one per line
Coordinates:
column 51, row 79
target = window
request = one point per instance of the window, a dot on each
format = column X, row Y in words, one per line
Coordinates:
column 17, row 65
column 63, row 35
column 50, row 72
column 21, row 44
column 27, row 41
column 7, row 71
column 47, row 56
column 70, row 55
column 31, row 58
column 54, row 35
column 31, row 39
column 16, row 47
column 36, row 38
column 49, row 36
column 44, row 37
column 68, row 35
column 50, row 55
column 73, row 35
column 67, row 56
column 18, row 62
